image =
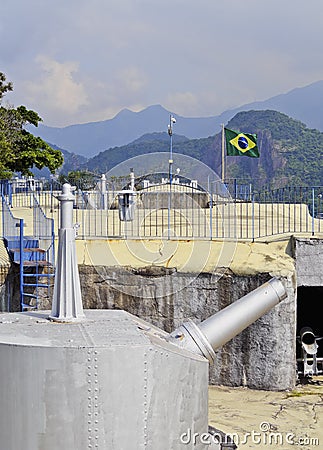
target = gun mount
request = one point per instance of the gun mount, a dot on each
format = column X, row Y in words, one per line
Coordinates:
column 105, row 379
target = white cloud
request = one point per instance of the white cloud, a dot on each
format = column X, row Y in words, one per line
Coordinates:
column 131, row 79
column 195, row 58
column 55, row 89
column 184, row 103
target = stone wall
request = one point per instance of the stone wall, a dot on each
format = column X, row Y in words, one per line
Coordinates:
column 9, row 288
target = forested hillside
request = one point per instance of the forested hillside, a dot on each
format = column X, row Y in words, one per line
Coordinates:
column 290, row 153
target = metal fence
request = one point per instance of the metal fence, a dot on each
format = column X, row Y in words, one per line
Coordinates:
column 36, row 224
column 10, row 224
column 226, row 211
column 32, row 248
column 194, row 214
column 43, row 229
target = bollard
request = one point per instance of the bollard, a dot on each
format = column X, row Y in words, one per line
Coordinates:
column 103, row 189
column 67, row 299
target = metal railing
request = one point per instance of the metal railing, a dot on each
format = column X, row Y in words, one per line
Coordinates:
column 43, row 230
column 34, row 253
column 193, row 214
column 10, row 224
column 226, row 211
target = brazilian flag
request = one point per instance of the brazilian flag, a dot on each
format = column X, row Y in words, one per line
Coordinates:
column 241, row 144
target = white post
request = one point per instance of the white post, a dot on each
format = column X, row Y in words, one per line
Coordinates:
column 132, row 180
column 223, row 156
column 67, row 299
column 104, row 202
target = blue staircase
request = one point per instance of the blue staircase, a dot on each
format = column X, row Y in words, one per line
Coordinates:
column 34, row 255
column 35, row 270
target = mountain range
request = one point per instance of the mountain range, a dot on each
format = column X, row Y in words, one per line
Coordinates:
column 304, row 104
column 290, row 153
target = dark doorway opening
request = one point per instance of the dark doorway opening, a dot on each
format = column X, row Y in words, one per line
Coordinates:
column 309, row 301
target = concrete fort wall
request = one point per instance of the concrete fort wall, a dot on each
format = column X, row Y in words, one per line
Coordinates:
column 308, row 254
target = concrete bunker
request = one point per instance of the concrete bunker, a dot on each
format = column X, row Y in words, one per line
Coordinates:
column 308, row 254
column 309, row 330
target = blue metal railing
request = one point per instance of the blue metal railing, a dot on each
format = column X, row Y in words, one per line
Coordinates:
column 34, row 254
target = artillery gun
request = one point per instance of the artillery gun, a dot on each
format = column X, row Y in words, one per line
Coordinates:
column 311, row 364
column 105, row 379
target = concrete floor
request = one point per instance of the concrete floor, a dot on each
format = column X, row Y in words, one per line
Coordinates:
column 274, row 420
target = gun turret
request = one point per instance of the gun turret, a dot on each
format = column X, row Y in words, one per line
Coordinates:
column 107, row 379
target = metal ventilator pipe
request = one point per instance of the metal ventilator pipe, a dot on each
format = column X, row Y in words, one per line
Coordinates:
column 220, row 328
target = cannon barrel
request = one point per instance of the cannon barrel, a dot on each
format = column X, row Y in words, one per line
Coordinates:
column 309, row 351
column 307, row 336
column 220, row 328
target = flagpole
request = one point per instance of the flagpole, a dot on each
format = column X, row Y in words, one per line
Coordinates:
column 223, row 157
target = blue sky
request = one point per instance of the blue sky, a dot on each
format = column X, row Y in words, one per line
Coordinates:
column 76, row 61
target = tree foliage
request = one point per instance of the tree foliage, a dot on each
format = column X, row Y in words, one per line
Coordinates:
column 151, row 143
column 4, row 86
column 82, row 179
column 20, row 150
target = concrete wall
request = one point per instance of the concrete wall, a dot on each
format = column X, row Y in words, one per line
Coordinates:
column 308, row 254
column 160, row 200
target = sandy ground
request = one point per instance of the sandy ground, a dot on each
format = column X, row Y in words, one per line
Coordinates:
column 270, row 420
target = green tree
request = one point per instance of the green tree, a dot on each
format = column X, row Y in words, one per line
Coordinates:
column 82, row 179
column 4, row 87
column 20, row 150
